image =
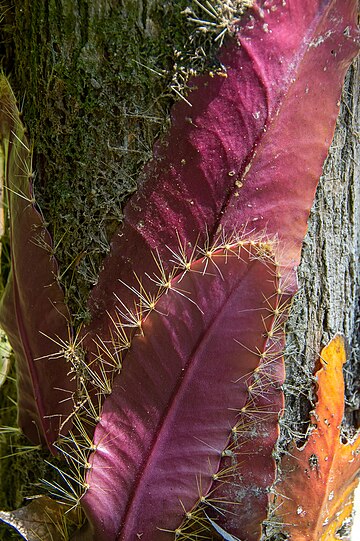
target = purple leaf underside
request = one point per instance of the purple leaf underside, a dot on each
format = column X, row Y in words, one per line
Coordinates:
column 32, row 302
column 182, row 389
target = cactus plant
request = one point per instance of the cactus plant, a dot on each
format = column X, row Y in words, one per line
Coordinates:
column 32, row 306
column 179, row 372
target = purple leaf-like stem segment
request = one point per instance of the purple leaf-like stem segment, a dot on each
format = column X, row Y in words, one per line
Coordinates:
column 247, row 468
column 32, row 309
column 179, row 395
column 248, row 152
column 278, row 186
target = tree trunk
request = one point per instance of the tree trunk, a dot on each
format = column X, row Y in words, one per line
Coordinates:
column 328, row 299
column 93, row 82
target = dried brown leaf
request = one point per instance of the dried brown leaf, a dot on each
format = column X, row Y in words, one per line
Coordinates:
column 43, row 519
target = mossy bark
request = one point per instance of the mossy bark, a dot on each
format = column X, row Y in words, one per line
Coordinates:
column 93, row 81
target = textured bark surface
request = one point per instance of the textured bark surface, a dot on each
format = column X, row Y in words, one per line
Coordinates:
column 93, row 112
column 327, row 301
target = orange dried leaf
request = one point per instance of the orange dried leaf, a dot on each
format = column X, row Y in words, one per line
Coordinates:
column 314, row 498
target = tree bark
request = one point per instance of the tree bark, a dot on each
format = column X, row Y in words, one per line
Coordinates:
column 328, row 299
column 92, row 80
